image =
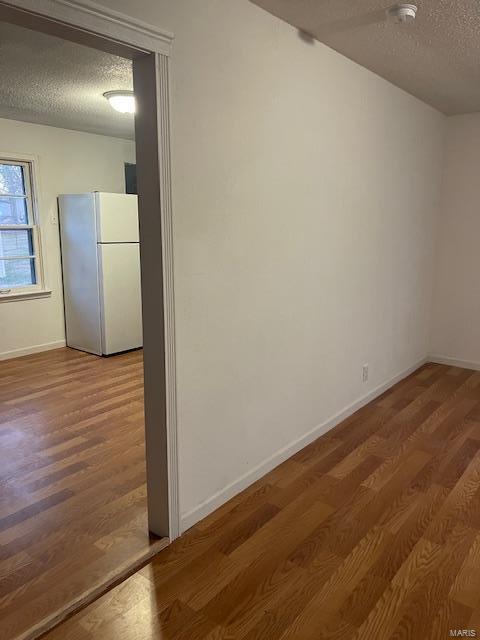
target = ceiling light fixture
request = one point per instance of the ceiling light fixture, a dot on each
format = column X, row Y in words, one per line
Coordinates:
column 402, row 13
column 122, row 101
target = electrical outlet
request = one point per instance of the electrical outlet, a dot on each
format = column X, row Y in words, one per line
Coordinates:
column 365, row 373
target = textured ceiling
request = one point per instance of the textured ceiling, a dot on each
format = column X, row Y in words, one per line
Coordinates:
column 51, row 81
column 436, row 59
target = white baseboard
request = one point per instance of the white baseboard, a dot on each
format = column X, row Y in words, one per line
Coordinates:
column 454, row 362
column 18, row 353
column 193, row 516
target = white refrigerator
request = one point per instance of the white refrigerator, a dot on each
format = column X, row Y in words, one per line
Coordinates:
column 101, row 271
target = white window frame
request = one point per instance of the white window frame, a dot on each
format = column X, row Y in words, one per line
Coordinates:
column 39, row 289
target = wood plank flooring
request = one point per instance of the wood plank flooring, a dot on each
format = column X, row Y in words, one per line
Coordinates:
column 372, row 532
column 72, row 479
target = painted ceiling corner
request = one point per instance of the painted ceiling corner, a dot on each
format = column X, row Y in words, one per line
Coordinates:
column 435, row 58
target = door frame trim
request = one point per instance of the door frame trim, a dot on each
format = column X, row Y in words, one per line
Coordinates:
column 89, row 22
column 94, row 18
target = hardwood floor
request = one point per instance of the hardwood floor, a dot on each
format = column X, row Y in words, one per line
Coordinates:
column 72, row 479
column 370, row 533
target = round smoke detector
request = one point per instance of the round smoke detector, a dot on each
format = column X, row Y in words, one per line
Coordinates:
column 402, row 13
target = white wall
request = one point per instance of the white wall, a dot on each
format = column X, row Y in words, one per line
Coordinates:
column 67, row 162
column 456, row 306
column 305, row 201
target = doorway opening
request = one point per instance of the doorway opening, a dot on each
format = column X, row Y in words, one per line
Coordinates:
column 88, row 470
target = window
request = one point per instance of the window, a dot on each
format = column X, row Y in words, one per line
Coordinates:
column 20, row 265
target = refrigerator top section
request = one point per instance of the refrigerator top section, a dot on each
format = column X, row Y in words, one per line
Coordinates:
column 117, row 217
column 113, row 215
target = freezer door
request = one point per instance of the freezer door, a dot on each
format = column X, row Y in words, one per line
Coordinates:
column 117, row 217
column 121, row 297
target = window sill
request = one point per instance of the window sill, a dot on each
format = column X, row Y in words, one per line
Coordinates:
column 24, row 295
